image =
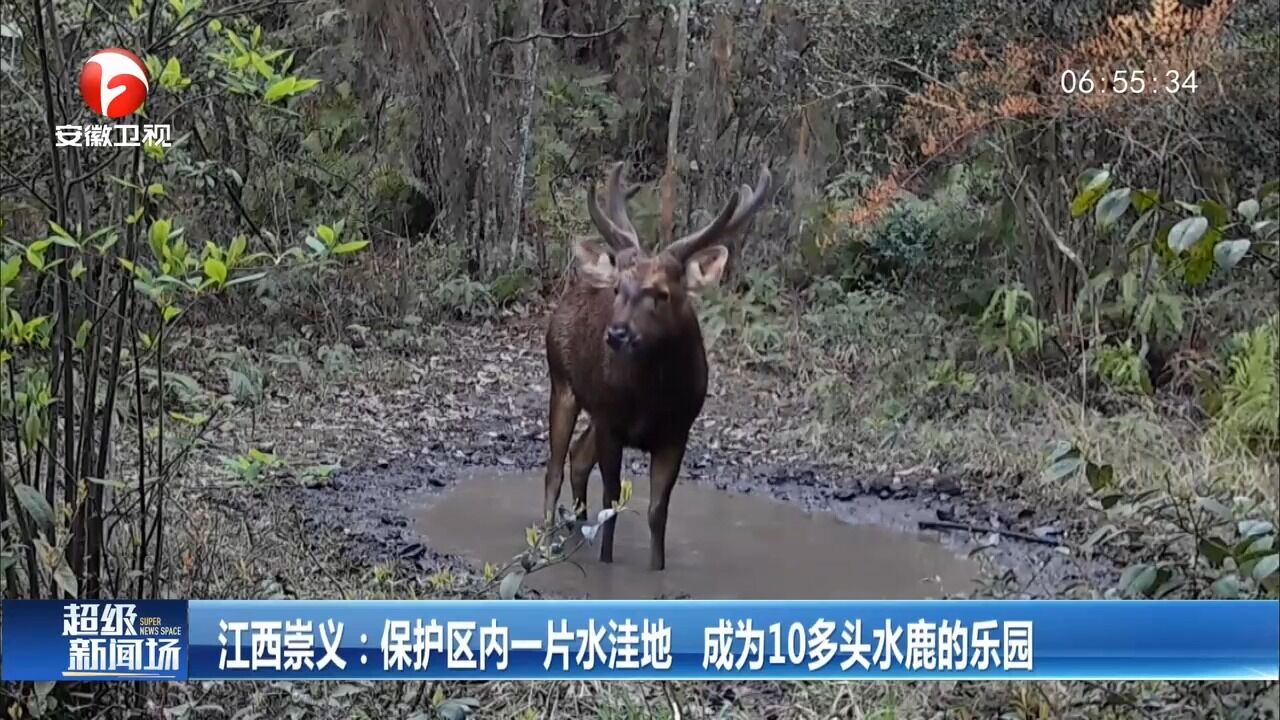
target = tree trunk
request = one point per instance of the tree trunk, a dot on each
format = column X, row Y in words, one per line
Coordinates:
column 667, row 217
column 533, row 11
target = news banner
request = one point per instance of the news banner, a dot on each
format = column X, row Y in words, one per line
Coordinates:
column 179, row 640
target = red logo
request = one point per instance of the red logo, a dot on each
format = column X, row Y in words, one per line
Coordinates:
column 114, row 83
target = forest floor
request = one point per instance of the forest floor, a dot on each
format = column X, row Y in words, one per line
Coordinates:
column 366, row 438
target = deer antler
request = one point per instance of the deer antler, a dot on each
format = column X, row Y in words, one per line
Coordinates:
column 612, row 220
column 733, row 218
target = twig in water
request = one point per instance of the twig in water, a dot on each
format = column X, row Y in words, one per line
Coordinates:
column 947, row 525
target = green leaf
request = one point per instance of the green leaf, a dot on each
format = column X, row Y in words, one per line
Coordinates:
column 158, row 237
column 171, row 77
column 242, row 387
column 1228, row 586
column 1099, row 476
column 9, row 270
column 1215, row 213
column 36, row 506
column 1248, row 209
column 1145, row 199
column 1185, row 234
column 261, row 66
column 350, row 247
column 238, row 244
column 35, row 253
column 215, row 25
column 314, row 243
column 304, row 85
column 1110, row 500
column 1093, row 179
column 1063, row 469
column 155, row 190
column 1214, row 550
column 82, row 335
column 1215, row 507
column 59, row 231
column 1199, row 262
column 1090, row 186
column 510, row 585
column 1138, row 579
column 325, row 233
column 1229, row 253
column 64, row 242
column 66, row 578
column 1112, row 207
column 1268, row 189
column 1266, row 566
column 279, row 89
column 235, row 41
column 170, row 312
column 78, row 269
column 216, row 270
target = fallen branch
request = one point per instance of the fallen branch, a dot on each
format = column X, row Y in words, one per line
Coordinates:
column 947, row 525
column 560, row 36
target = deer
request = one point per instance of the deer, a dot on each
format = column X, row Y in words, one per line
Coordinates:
column 624, row 345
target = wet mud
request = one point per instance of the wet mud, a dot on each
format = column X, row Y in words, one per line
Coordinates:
column 736, row 529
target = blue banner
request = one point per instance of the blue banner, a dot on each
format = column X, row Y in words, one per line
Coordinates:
column 657, row 639
column 94, row 640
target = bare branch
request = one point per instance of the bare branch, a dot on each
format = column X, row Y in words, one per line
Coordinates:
column 560, row 36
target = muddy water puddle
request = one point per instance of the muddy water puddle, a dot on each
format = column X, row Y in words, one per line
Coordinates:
column 719, row 545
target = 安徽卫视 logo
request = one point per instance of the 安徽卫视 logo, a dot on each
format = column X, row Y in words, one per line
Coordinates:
column 114, row 83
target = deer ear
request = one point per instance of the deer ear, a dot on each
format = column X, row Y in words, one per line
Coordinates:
column 705, row 267
column 595, row 262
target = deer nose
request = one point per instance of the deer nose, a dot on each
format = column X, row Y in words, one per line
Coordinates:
column 617, row 336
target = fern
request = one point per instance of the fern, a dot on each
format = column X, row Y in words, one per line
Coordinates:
column 1250, row 411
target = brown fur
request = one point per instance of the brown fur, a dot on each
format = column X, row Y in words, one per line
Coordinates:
column 647, row 393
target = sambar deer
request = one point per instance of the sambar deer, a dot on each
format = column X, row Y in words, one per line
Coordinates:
column 624, row 345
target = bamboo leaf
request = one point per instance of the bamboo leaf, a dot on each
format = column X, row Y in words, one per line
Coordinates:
column 350, row 247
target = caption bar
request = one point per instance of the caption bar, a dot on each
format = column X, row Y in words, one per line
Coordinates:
column 180, row 640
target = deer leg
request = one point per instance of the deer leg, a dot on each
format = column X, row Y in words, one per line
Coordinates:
column 562, row 416
column 609, row 455
column 582, row 457
column 664, row 468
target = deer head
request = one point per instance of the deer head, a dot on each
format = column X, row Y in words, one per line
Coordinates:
column 651, row 292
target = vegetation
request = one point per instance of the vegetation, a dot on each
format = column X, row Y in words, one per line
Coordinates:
column 1039, row 248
